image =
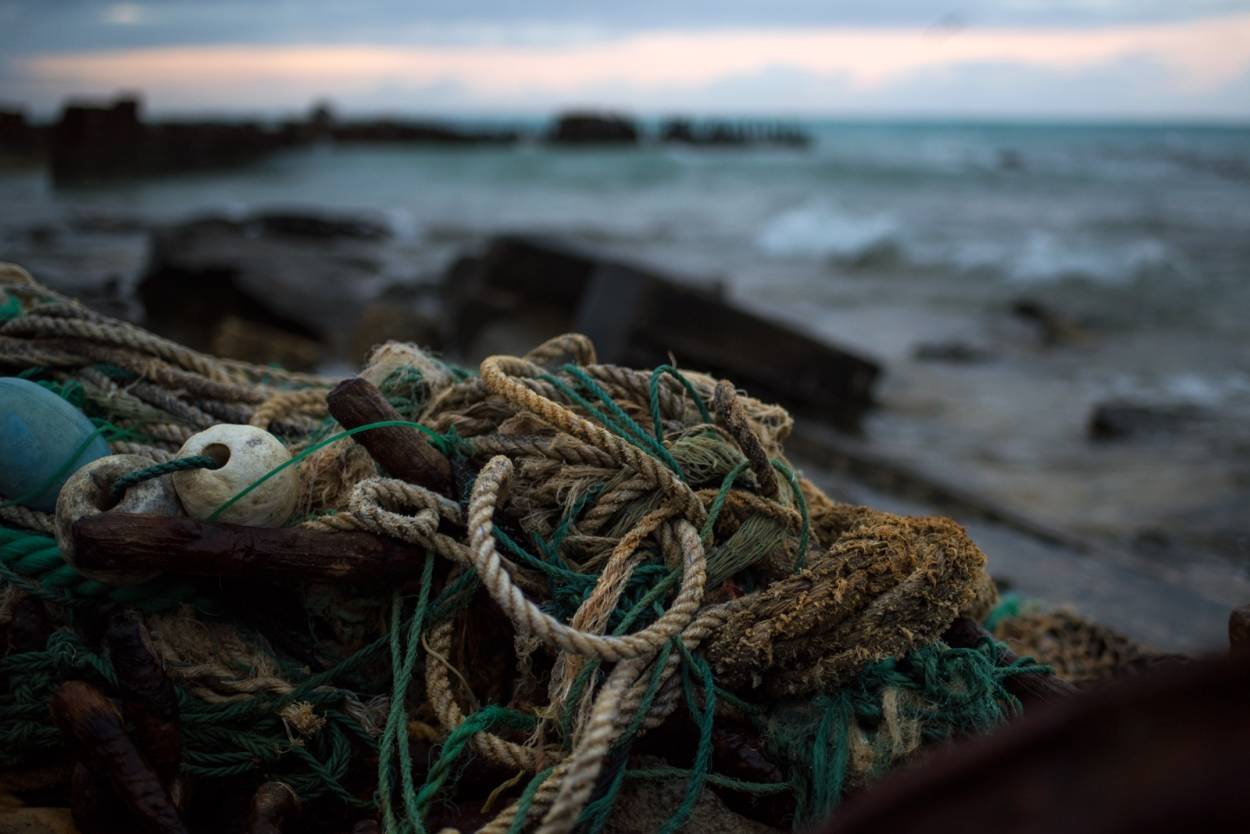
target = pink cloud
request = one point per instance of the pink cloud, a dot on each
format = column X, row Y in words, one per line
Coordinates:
column 1198, row 56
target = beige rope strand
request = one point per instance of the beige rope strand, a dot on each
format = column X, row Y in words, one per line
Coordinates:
column 528, row 617
column 587, row 759
column 496, row 377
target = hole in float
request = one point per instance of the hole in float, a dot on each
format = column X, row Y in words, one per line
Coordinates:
column 103, row 497
column 219, row 452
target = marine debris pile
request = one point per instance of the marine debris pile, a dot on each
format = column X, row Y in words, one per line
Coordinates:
column 516, row 598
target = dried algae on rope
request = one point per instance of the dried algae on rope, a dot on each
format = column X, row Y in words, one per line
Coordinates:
column 605, row 553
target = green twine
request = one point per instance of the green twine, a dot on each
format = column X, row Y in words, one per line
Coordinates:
column 618, row 422
column 219, row 741
column 487, row 719
column 156, row 470
column 10, row 309
column 956, row 691
column 653, row 390
column 437, row 440
column 704, row 716
column 1008, row 607
column 959, row 690
column 526, row 800
column 718, row 503
column 34, row 563
column 395, row 733
column 800, row 561
column 720, row 781
column 596, row 813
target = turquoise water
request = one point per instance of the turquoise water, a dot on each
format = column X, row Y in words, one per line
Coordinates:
column 1138, row 225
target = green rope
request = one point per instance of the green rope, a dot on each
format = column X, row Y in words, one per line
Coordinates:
column 619, row 423
column 720, row 781
column 704, row 716
column 954, row 692
column 526, row 800
column 34, row 563
column 11, row 309
column 950, row 691
column 157, row 470
column 800, row 561
column 1008, row 607
column 653, row 389
column 486, row 719
column 596, row 813
column 395, row 733
column 718, row 503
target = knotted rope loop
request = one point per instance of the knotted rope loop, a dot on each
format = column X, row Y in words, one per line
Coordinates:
column 497, row 373
column 530, row 619
column 371, row 498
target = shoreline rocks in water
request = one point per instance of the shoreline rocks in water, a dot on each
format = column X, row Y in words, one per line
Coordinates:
column 1122, row 419
column 300, row 280
column 306, row 289
column 92, row 141
column 593, row 129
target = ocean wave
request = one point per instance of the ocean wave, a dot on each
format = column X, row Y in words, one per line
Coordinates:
column 1047, row 258
column 821, row 232
column 824, row 233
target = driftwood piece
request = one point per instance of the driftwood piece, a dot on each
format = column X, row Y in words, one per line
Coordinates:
column 966, row 634
column 1161, row 752
column 94, row 727
column 184, row 546
column 402, row 451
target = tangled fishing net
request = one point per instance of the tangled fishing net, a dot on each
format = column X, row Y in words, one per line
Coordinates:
column 628, row 588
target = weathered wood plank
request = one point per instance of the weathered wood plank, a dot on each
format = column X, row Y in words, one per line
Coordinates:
column 186, row 547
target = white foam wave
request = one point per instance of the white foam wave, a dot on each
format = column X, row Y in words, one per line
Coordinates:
column 1046, row 258
column 822, row 232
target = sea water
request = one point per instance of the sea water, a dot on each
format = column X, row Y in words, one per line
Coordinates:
column 1024, row 203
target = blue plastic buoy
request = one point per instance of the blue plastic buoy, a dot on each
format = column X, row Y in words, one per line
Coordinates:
column 39, row 434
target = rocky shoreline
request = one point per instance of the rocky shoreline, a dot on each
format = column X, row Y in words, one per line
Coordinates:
column 315, row 290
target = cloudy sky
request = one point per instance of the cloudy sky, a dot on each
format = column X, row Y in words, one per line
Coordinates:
column 995, row 58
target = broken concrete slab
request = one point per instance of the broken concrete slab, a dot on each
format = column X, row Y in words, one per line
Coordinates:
column 640, row 318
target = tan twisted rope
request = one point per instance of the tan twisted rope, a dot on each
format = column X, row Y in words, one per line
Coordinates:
column 311, row 401
column 438, row 689
column 528, row 617
column 496, row 377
